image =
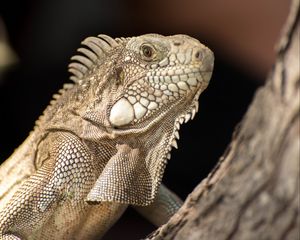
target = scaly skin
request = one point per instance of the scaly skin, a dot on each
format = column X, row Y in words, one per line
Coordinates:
column 103, row 142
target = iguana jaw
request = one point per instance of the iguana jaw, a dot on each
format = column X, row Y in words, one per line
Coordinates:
column 184, row 108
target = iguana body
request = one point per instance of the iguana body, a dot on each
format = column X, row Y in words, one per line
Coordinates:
column 103, row 142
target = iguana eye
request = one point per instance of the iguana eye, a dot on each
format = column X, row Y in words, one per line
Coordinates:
column 148, row 52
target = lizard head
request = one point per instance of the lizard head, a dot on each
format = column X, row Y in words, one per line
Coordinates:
column 147, row 86
column 162, row 76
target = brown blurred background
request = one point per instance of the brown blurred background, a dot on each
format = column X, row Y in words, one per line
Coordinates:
column 45, row 34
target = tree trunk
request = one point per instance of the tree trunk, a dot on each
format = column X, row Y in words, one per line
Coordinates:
column 253, row 193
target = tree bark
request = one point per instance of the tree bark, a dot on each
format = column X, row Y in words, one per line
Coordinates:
column 253, row 193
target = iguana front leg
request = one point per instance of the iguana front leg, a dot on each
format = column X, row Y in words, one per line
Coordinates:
column 28, row 207
column 164, row 206
column 65, row 177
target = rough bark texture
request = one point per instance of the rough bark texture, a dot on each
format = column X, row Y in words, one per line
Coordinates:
column 253, row 193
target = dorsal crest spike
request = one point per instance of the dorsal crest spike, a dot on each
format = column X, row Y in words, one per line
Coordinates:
column 84, row 60
column 112, row 42
column 91, row 55
column 122, row 40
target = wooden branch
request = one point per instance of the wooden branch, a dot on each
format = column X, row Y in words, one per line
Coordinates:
column 253, row 193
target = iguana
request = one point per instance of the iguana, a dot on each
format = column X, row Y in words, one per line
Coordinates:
column 103, row 142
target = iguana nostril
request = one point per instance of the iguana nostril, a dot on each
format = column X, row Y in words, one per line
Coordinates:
column 177, row 43
column 198, row 55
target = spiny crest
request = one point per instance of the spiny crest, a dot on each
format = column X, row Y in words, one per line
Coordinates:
column 48, row 112
column 96, row 49
column 183, row 118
